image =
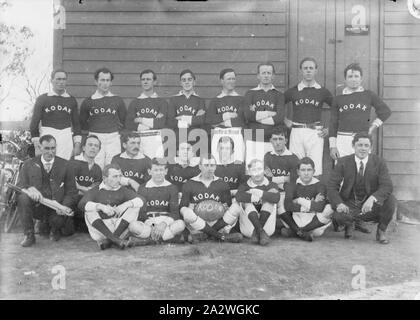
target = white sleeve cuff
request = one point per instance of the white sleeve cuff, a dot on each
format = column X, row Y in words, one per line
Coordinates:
column 306, row 203
column 228, row 123
column 377, row 122
column 77, row 139
column 268, row 121
column 333, row 142
column 137, row 202
column 90, row 206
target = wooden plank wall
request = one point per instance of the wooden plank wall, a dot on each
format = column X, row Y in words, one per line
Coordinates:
column 401, row 90
column 168, row 36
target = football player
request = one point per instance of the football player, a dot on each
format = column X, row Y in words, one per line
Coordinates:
column 226, row 110
column 308, row 214
column 57, row 112
column 280, row 164
column 206, row 186
column 133, row 163
column 307, row 99
column 147, row 111
column 159, row 219
column 350, row 113
column 186, row 110
column 264, row 105
column 103, row 114
column 110, row 208
column 258, row 198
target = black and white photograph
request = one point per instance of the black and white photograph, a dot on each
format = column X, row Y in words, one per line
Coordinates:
column 218, row 152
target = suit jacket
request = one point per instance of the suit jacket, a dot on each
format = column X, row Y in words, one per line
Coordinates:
column 62, row 179
column 377, row 180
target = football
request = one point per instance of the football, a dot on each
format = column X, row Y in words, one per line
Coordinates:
column 209, row 210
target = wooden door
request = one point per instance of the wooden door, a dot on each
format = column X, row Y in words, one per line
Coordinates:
column 335, row 33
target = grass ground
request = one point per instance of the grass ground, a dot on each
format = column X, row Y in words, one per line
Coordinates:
column 285, row 269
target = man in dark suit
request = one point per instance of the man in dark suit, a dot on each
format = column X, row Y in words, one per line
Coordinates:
column 45, row 176
column 365, row 193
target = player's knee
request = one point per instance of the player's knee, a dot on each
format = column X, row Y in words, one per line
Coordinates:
column 91, row 216
column 177, row 226
column 139, row 229
column 131, row 214
column 249, row 207
column 188, row 215
column 270, row 207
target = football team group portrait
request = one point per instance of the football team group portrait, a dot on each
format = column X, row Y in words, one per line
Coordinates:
column 209, row 149
column 91, row 162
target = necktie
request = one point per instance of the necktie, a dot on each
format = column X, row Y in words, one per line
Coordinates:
column 360, row 172
column 47, row 167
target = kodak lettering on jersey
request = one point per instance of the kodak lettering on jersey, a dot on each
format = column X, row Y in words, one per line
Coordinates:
column 259, row 100
column 133, row 168
column 282, row 165
column 219, row 106
column 307, row 103
column 233, row 174
column 58, row 112
column 309, row 192
column 103, row 115
column 148, row 108
column 351, row 112
column 162, row 198
column 180, row 105
column 194, row 191
column 179, row 175
column 83, row 175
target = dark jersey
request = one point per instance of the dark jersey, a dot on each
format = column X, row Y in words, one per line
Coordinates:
column 163, row 199
column 107, row 197
column 58, row 112
column 233, row 174
column 179, row 175
column 219, row 106
column 147, row 108
column 282, row 165
column 194, row 191
column 268, row 196
column 133, row 168
column 180, row 105
column 83, row 175
column 351, row 112
column 307, row 103
column 309, row 192
column 260, row 100
column 103, row 115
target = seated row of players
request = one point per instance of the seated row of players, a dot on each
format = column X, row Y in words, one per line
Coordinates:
column 263, row 107
column 283, row 194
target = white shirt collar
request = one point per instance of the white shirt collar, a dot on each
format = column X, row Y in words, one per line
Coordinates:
column 286, row 152
column 143, row 96
column 253, row 185
column 139, row 155
column 182, row 93
column 80, row 157
column 198, row 178
column 301, row 85
column 313, row 181
column 152, row 184
column 44, row 162
column 104, row 186
column 261, row 88
column 194, row 161
column 98, row 95
column 53, row 93
column 348, row 91
column 224, row 94
column 357, row 160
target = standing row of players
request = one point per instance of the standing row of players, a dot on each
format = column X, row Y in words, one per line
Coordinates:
column 263, row 107
column 198, row 197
